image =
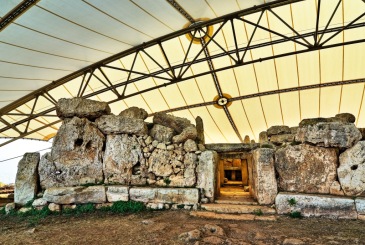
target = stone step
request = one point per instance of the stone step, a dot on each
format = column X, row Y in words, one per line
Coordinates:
column 239, row 217
column 240, row 201
column 237, row 209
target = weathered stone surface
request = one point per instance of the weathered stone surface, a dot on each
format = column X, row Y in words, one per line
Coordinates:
column 281, row 138
column 117, row 193
column 39, row 202
column 235, row 147
column 264, row 185
column 123, row 154
column 75, row 157
column 187, row 133
column 182, row 126
column 336, row 189
column 310, row 205
column 294, row 130
column 26, row 182
column 247, row 140
column 162, row 133
column 53, row 207
column 190, row 146
column 342, row 118
column 206, row 172
column 188, row 196
column 134, row 112
column 190, row 163
column 360, row 205
column 306, row 168
column 83, row 108
column 160, row 162
column 24, row 209
column 111, row 124
column 190, row 236
column 351, row 172
column 78, row 194
column 329, row 134
column 263, row 137
column 275, row 130
column 9, row 207
column 200, row 138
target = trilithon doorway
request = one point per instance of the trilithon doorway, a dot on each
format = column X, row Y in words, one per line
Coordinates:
column 234, row 177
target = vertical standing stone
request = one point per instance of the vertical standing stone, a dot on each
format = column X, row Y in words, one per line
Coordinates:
column 264, row 180
column 207, row 173
column 26, row 182
column 200, row 130
column 244, row 172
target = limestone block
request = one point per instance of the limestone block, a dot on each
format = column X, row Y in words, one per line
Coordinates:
column 305, row 168
column 281, row 138
column 76, row 156
column 360, row 205
column 182, row 126
column 188, row 196
column 190, row 163
column 26, row 182
column 83, row 108
column 206, row 172
column 77, row 195
column 162, row 133
column 263, row 137
column 329, row 134
column 9, row 207
column 117, row 193
column 351, row 172
column 134, row 112
column 190, row 146
column 111, row 124
column 123, row 153
column 264, row 180
column 276, row 130
column 159, row 162
column 53, row 207
column 310, row 205
column 336, row 189
column 39, row 202
column 200, row 138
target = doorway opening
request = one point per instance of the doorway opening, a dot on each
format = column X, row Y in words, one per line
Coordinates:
column 234, row 177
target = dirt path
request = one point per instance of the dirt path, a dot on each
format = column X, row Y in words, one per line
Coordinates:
column 165, row 228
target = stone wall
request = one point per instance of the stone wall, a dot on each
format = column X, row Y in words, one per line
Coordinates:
column 114, row 154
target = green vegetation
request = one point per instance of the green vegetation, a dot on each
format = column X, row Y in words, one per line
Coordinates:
column 180, row 206
column 127, row 207
column 296, row 215
column 292, row 201
column 2, row 211
column 270, row 146
column 258, row 212
column 167, row 181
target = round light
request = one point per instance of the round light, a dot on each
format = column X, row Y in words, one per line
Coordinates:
column 222, row 101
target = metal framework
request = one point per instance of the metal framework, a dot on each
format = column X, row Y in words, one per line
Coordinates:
column 176, row 73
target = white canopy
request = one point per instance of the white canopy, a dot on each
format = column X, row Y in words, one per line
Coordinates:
column 266, row 62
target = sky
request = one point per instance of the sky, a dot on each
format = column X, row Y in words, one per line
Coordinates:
column 17, row 148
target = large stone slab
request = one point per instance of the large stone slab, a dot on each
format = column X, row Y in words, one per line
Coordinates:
column 329, row 134
column 310, row 205
column 187, row 196
column 264, row 184
column 360, row 205
column 206, row 172
column 162, row 133
column 76, row 156
column 351, row 172
column 277, row 130
column 134, row 112
column 200, row 138
column 305, row 168
column 116, row 193
column 123, row 154
column 83, row 108
column 26, row 182
column 234, row 147
column 182, row 126
column 78, row 194
column 111, row 124
column 160, row 162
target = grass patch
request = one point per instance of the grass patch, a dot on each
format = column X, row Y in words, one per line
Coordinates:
column 180, row 206
column 267, row 146
column 296, row 215
column 127, row 207
column 167, row 181
column 292, row 202
column 258, row 212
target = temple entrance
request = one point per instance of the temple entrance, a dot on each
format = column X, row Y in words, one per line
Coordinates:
column 234, row 177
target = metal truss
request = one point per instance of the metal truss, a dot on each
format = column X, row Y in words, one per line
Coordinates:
column 176, row 73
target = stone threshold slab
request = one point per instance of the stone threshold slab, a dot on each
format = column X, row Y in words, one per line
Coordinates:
column 237, row 209
column 237, row 217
